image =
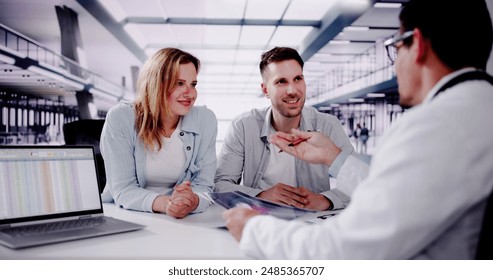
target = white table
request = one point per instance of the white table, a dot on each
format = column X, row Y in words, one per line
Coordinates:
column 193, row 237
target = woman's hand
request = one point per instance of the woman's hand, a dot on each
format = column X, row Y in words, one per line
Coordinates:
column 179, row 204
column 182, row 201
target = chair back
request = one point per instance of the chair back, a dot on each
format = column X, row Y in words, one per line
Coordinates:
column 87, row 132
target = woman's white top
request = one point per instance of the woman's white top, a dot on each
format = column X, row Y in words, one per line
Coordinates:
column 165, row 166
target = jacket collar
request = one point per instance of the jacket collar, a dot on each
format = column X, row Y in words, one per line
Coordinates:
column 190, row 122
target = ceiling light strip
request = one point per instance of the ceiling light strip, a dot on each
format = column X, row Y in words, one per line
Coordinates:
column 7, row 59
column 356, row 100
column 387, row 5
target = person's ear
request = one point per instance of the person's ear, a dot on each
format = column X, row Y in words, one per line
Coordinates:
column 421, row 44
column 264, row 90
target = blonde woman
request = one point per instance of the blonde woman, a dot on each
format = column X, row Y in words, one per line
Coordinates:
column 159, row 151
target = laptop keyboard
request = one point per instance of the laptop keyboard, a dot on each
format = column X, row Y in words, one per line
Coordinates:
column 44, row 229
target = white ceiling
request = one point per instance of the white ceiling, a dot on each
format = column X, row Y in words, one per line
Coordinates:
column 228, row 36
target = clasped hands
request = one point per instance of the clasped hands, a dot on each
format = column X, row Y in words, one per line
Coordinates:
column 180, row 203
column 298, row 197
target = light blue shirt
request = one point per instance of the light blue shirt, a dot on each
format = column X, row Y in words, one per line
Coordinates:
column 125, row 157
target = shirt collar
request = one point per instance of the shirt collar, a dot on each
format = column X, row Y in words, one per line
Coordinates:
column 305, row 124
column 267, row 125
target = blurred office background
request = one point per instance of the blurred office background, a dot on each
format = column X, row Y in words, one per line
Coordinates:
column 68, row 60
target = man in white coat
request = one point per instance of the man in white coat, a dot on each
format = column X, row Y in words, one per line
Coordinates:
column 426, row 189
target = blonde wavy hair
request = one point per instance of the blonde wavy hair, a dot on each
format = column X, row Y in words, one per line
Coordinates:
column 157, row 79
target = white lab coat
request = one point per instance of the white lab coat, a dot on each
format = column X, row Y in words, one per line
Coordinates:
column 424, row 195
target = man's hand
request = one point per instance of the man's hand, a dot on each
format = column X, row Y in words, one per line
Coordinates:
column 316, row 201
column 298, row 197
column 236, row 218
column 316, row 147
column 284, row 194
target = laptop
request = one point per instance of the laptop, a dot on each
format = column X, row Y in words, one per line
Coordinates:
column 50, row 194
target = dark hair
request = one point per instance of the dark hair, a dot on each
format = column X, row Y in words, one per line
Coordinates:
column 278, row 54
column 448, row 25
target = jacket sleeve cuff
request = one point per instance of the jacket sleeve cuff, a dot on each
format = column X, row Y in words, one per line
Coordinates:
column 204, row 202
column 251, row 191
column 339, row 199
column 338, row 162
column 148, row 201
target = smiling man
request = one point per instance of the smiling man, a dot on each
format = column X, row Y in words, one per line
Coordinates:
column 267, row 172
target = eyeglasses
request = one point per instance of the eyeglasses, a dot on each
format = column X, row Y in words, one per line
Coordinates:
column 391, row 44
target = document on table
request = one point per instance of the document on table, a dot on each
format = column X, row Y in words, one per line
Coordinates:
column 238, row 199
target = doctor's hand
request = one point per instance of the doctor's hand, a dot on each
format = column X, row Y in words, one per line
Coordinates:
column 313, row 148
column 236, row 218
column 182, row 201
column 285, row 194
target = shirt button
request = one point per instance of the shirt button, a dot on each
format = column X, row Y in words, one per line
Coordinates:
column 189, row 148
column 181, row 133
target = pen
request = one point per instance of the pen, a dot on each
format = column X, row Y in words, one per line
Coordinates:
column 292, row 144
column 296, row 142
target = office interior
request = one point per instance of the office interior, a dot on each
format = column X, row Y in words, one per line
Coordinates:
column 62, row 60
column 65, row 62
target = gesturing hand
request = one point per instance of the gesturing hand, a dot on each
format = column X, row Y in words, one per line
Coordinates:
column 317, row 148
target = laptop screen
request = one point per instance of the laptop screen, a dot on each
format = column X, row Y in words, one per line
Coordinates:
column 47, row 181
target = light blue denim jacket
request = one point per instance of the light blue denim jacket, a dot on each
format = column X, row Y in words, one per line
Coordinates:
column 246, row 151
column 125, row 157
